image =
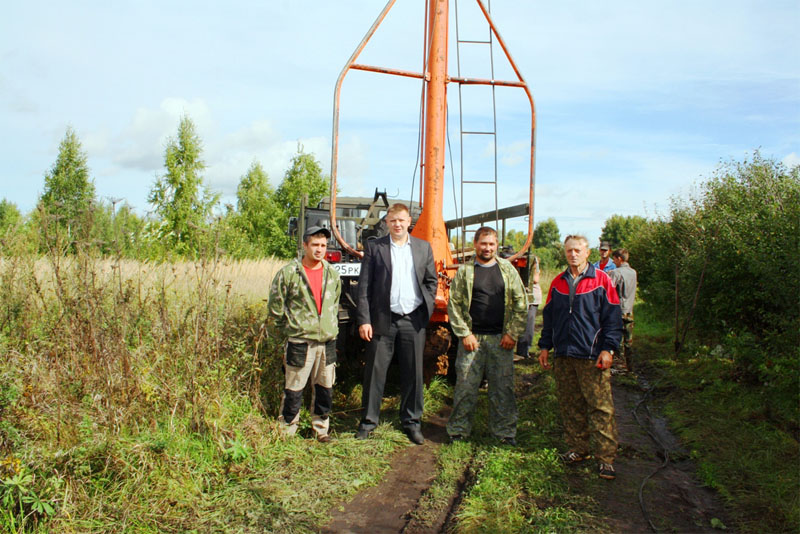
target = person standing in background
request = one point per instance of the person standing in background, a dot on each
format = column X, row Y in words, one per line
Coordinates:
column 605, row 264
column 524, row 343
column 625, row 280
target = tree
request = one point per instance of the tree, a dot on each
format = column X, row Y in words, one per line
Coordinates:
column 9, row 215
column 727, row 257
column 546, row 233
column 68, row 191
column 620, row 230
column 515, row 239
column 258, row 216
column 180, row 199
column 118, row 229
column 304, row 177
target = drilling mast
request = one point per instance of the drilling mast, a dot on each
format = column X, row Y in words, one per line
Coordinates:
column 430, row 225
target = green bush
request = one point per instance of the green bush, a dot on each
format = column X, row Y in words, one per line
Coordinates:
column 729, row 256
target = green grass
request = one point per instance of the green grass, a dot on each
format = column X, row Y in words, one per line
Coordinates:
column 167, row 479
column 740, row 447
column 145, row 408
column 503, row 489
column 132, row 408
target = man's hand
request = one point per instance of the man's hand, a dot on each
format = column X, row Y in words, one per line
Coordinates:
column 365, row 331
column 604, row 360
column 544, row 354
column 508, row 342
column 470, row 343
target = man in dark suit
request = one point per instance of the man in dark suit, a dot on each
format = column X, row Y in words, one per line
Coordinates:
column 396, row 292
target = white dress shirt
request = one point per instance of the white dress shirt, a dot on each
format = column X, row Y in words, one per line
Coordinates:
column 405, row 295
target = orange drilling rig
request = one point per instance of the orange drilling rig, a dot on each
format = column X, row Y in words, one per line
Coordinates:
column 430, row 224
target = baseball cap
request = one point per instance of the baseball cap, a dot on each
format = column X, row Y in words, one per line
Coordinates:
column 605, row 245
column 312, row 230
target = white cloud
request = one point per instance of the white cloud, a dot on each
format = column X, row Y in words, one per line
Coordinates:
column 515, row 153
column 791, row 160
column 141, row 145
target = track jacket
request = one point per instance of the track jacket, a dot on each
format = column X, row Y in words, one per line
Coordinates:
column 590, row 324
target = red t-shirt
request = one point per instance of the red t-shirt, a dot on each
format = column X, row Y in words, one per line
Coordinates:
column 315, row 281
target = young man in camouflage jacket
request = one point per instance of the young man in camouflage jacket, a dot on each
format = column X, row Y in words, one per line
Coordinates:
column 488, row 310
column 304, row 303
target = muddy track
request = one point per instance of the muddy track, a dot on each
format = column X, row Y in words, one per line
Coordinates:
column 672, row 498
column 388, row 506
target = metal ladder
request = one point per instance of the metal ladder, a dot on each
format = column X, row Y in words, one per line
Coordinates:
column 466, row 133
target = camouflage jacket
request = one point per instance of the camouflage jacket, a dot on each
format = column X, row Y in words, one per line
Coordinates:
column 292, row 305
column 516, row 313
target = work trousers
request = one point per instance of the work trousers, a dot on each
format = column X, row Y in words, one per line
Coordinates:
column 497, row 364
column 627, row 340
column 525, row 340
column 587, row 407
column 406, row 343
column 319, row 373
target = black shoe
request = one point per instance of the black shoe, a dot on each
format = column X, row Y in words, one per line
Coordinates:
column 415, row 436
column 511, row 442
column 457, row 437
column 363, row 433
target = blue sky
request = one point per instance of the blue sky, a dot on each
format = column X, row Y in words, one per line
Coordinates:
column 636, row 101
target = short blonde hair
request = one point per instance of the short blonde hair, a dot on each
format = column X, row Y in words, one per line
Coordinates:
column 577, row 237
column 399, row 206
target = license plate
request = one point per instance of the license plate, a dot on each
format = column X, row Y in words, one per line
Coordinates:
column 347, row 269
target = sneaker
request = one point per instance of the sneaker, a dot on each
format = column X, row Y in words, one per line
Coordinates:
column 511, row 442
column 573, row 457
column 606, row 471
column 457, row 437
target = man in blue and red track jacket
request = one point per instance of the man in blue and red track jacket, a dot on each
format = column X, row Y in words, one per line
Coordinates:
column 582, row 325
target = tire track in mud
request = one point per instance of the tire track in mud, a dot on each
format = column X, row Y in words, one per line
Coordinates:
column 673, row 497
column 388, row 507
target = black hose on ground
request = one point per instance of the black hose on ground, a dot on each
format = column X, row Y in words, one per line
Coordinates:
column 664, row 452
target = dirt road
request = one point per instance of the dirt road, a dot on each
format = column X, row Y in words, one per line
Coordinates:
column 672, row 498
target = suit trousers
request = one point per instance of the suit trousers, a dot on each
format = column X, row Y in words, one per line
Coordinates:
column 406, row 343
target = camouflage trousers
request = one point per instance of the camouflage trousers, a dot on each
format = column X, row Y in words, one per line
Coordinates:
column 627, row 340
column 497, row 364
column 587, row 407
column 303, row 362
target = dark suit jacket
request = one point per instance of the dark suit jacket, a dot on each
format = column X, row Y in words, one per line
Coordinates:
column 375, row 283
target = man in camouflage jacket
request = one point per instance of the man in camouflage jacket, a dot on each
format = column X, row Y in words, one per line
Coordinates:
column 304, row 303
column 488, row 310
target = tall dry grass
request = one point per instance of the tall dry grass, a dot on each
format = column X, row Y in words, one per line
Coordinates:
column 246, row 280
column 97, row 350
